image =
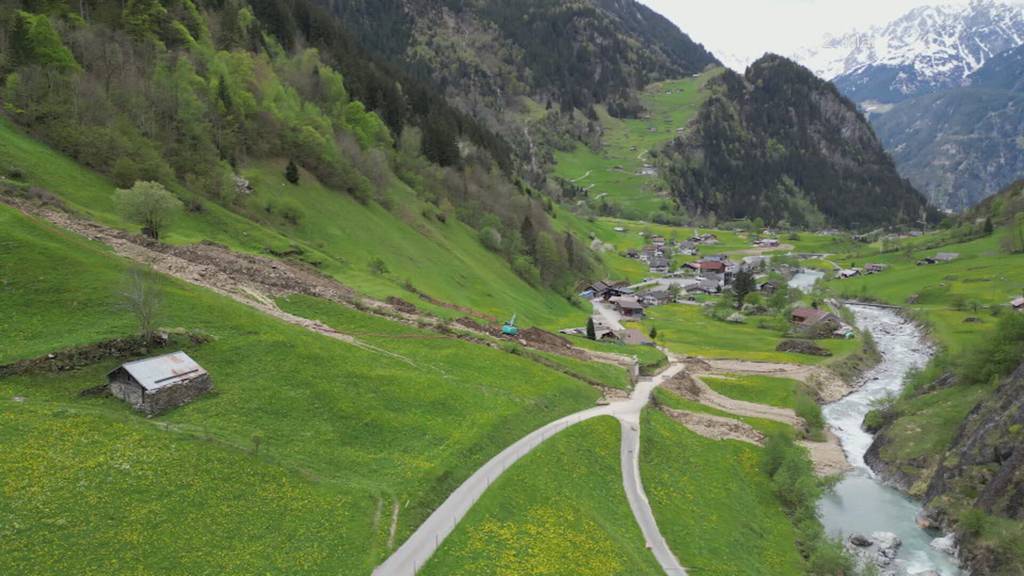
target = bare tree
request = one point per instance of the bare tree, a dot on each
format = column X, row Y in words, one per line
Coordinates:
column 141, row 296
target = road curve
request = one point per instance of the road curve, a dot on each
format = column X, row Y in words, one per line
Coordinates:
column 638, row 499
column 412, row 555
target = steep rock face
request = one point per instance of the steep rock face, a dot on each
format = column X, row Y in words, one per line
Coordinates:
column 987, row 455
column 962, row 145
column 781, row 144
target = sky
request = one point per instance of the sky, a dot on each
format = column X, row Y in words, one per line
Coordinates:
column 740, row 31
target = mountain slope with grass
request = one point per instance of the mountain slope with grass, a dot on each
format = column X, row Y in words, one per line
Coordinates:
column 782, row 145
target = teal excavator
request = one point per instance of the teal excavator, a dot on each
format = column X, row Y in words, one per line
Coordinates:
column 510, row 328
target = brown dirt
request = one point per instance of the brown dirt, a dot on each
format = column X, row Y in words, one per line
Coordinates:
column 716, row 427
column 89, row 354
column 828, row 457
column 693, row 388
column 826, row 384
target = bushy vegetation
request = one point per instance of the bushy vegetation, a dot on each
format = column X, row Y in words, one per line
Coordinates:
column 798, row 489
column 187, row 94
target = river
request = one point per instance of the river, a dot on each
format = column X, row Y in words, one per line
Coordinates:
column 861, row 503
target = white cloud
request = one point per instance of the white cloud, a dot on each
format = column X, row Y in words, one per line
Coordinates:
column 739, row 31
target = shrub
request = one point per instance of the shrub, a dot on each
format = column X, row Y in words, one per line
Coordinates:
column 378, row 267
column 291, row 172
column 149, row 205
column 808, row 409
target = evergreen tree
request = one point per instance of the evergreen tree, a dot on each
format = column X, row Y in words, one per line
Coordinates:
column 570, row 250
column 291, row 173
column 654, row 333
column 742, row 286
column 591, row 331
column 529, row 235
column 988, row 226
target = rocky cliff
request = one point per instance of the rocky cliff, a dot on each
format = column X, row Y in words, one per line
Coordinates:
column 982, row 469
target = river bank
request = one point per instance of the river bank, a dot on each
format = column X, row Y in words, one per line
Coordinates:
column 861, row 502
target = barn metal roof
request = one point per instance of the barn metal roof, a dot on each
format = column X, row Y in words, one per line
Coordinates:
column 162, row 371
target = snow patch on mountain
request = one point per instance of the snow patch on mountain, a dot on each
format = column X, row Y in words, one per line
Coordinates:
column 929, row 47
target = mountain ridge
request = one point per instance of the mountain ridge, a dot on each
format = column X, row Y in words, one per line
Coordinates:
column 927, row 49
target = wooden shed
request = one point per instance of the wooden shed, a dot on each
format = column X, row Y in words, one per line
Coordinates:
column 156, row 385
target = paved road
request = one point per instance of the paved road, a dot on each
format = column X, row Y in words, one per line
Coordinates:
column 638, row 499
column 611, row 317
column 415, row 552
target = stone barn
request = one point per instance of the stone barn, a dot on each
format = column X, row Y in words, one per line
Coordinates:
column 155, row 385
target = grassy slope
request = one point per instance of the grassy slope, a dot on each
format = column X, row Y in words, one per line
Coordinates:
column 983, row 274
column 613, row 171
column 559, row 511
column 684, row 329
column 358, row 425
column 714, row 506
column 765, row 426
column 337, row 234
column 779, row 392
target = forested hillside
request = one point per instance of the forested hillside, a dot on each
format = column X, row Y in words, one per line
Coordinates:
column 785, row 146
column 188, row 94
column 574, row 54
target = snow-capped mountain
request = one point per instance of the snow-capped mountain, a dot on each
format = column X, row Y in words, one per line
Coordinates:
column 929, row 48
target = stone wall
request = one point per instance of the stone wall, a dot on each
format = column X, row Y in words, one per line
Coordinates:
column 128, row 391
column 171, row 397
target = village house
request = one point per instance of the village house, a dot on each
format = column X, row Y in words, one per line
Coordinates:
column 768, row 288
column 875, row 268
column 659, row 265
column 656, row 298
column 629, row 308
column 940, row 257
column 848, row 273
column 155, row 385
column 812, row 317
column 767, row 243
column 1017, row 304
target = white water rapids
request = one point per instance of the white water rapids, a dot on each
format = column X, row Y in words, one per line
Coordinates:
column 861, row 503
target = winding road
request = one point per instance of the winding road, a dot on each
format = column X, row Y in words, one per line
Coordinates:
column 417, row 550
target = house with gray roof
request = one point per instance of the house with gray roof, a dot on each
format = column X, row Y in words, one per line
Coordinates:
column 155, row 385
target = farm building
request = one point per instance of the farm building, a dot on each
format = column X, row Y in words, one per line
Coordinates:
column 940, row 257
column 156, row 385
column 1017, row 304
column 812, row 316
column 875, row 268
column 630, row 308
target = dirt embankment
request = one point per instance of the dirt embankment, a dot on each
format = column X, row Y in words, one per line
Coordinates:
column 256, row 281
column 828, row 386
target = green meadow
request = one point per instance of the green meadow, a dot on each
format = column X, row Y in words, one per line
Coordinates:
column 768, row 390
column 762, row 425
column 713, row 504
column 307, row 425
column 944, row 294
column 561, row 510
column 685, row 329
column 614, row 173
column 335, row 233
